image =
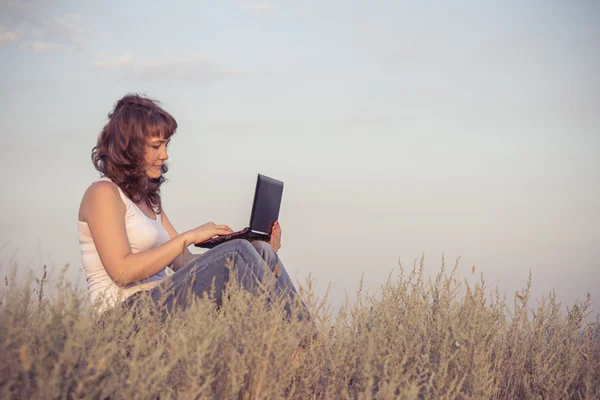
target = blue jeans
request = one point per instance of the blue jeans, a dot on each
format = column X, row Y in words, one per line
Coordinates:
column 255, row 265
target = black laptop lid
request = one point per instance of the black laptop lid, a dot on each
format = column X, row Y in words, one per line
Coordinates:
column 267, row 200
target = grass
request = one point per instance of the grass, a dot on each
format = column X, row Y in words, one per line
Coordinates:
column 417, row 338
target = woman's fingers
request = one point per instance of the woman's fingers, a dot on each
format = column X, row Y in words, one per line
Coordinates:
column 224, row 231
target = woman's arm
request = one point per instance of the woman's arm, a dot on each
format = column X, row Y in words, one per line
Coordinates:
column 104, row 212
column 185, row 256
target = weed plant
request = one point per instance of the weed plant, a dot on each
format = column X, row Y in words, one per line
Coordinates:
column 415, row 338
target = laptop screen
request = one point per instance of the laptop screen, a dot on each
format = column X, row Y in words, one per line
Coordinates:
column 267, row 201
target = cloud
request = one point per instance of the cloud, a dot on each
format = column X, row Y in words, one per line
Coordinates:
column 124, row 61
column 193, row 69
column 39, row 46
column 35, row 21
column 6, row 36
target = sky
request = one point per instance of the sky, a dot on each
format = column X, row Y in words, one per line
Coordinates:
column 469, row 129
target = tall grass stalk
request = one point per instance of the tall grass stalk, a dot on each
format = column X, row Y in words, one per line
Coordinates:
column 439, row 338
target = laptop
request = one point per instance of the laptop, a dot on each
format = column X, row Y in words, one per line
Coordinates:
column 265, row 211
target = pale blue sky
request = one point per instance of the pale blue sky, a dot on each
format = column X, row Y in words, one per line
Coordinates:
column 398, row 128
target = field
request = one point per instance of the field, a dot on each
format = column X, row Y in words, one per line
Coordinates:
column 438, row 338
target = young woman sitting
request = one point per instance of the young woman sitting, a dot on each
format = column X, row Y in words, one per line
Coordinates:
column 125, row 235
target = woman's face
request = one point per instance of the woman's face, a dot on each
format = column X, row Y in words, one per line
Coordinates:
column 156, row 155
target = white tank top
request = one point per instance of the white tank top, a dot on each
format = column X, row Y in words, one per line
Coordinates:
column 143, row 233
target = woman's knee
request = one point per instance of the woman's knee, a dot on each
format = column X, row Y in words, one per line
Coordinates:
column 245, row 246
column 242, row 246
column 264, row 248
column 255, row 254
column 243, row 249
column 269, row 256
column 235, row 246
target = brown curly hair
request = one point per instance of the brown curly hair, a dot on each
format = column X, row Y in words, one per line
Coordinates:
column 119, row 152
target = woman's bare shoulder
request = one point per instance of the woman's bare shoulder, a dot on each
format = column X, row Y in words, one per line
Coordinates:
column 98, row 194
column 101, row 190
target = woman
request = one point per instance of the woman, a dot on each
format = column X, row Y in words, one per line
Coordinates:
column 126, row 238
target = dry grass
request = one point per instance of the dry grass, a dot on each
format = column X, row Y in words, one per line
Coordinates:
column 417, row 338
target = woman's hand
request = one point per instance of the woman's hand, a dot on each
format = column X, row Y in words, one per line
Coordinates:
column 206, row 231
column 275, row 241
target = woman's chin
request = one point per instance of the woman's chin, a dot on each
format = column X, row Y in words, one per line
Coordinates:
column 153, row 174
